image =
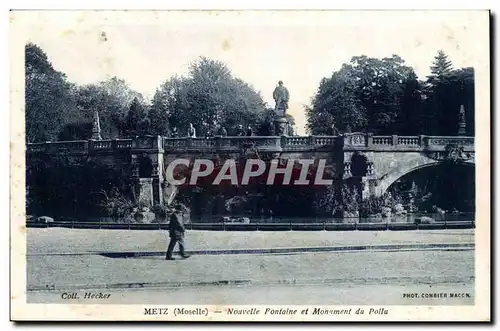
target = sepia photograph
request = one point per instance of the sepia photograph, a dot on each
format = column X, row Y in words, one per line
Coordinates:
column 250, row 165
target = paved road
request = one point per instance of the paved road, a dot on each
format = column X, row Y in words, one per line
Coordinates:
column 60, row 240
column 356, row 272
column 67, row 260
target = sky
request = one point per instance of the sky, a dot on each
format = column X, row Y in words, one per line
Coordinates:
column 299, row 48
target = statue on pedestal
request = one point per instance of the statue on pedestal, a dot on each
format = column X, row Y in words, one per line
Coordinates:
column 281, row 97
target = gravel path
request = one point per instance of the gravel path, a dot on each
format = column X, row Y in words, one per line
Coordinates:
column 91, row 271
column 246, row 278
column 61, row 240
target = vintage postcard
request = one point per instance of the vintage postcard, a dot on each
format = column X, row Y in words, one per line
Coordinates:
column 250, row 165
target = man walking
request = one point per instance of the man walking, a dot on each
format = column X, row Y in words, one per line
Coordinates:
column 176, row 230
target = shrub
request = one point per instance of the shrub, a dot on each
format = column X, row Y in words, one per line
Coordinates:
column 161, row 212
column 372, row 205
column 143, row 205
column 117, row 205
column 375, row 205
column 349, row 198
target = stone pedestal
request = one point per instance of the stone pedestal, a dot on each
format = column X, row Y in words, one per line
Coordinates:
column 281, row 126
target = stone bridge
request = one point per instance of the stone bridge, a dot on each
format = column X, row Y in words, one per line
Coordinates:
column 377, row 161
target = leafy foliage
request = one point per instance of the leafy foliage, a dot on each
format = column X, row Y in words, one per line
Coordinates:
column 66, row 186
column 117, row 205
column 441, row 68
column 366, row 94
column 209, row 97
column 113, row 100
column 161, row 213
column 384, row 96
column 374, row 205
column 49, row 97
column 445, row 96
column 336, row 104
column 136, row 123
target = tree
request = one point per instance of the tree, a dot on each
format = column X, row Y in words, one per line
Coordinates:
column 112, row 99
column 209, row 97
column 447, row 89
column 291, row 125
column 380, row 89
column 136, row 123
column 410, row 115
column 440, row 68
column 365, row 95
column 336, row 104
column 466, row 96
column 168, row 97
column 36, row 61
column 448, row 95
column 49, row 97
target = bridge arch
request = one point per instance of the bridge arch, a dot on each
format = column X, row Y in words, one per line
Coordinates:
column 390, row 178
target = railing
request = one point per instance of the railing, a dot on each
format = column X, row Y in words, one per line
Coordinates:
column 438, row 140
column 382, row 140
column 291, row 142
column 76, row 146
column 102, row 144
column 123, row 143
column 263, row 142
column 395, row 142
column 221, row 143
column 323, row 140
column 412, row 141
column 409, row 141
column 174, row 143
column 271, row 143
column 202, row 143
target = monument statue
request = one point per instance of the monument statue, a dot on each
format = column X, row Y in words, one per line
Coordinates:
column 281, row 97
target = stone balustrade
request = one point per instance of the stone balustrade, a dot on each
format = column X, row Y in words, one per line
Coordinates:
column 353, row 141
column 368, row 142
column 382, row 140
